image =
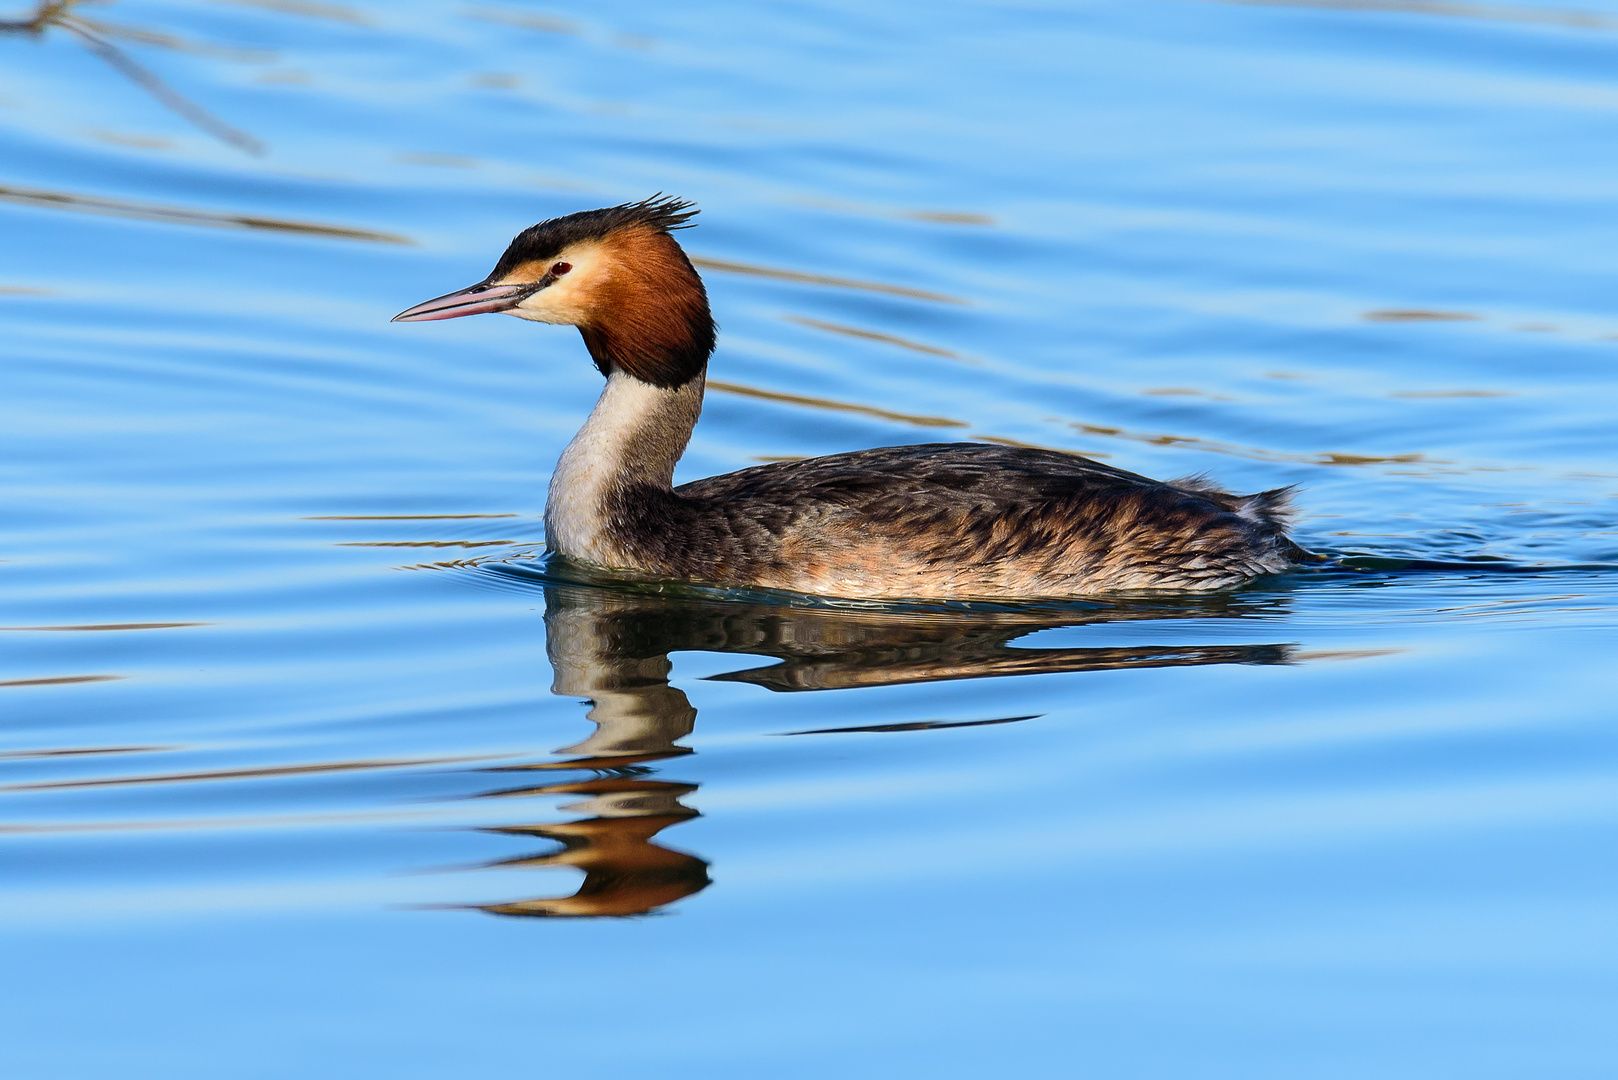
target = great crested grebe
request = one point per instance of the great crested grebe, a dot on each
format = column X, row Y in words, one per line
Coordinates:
column 941, row 520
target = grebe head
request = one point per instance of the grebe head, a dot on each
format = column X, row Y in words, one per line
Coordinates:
column 617, row 274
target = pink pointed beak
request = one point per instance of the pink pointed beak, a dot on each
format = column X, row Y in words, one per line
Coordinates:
column 476, row 299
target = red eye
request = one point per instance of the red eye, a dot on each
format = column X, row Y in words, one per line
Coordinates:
column 561, row 268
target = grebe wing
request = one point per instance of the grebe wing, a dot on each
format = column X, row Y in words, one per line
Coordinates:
column 961, row 519
column 982, row 471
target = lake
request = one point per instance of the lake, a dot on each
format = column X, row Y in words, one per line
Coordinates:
column 312, row 765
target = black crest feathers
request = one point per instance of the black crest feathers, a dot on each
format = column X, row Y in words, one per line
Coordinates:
column 660, row 213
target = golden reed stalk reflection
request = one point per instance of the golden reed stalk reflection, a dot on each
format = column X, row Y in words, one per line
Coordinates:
column 611, row 647
column 97, row 37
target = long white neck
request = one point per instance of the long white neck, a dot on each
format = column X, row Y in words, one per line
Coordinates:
column 633, row 437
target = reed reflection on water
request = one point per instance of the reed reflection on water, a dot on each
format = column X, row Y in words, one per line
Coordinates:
column 611, row 647
column 96, row 36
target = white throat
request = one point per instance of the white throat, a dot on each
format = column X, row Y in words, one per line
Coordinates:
column 634, row 436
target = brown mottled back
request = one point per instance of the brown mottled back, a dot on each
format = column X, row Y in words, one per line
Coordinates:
column 954, row 520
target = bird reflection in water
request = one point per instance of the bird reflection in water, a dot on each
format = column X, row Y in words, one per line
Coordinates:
column 615, row 658
column 611, row 646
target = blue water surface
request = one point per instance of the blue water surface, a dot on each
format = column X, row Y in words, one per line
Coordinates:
column 310, row 767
